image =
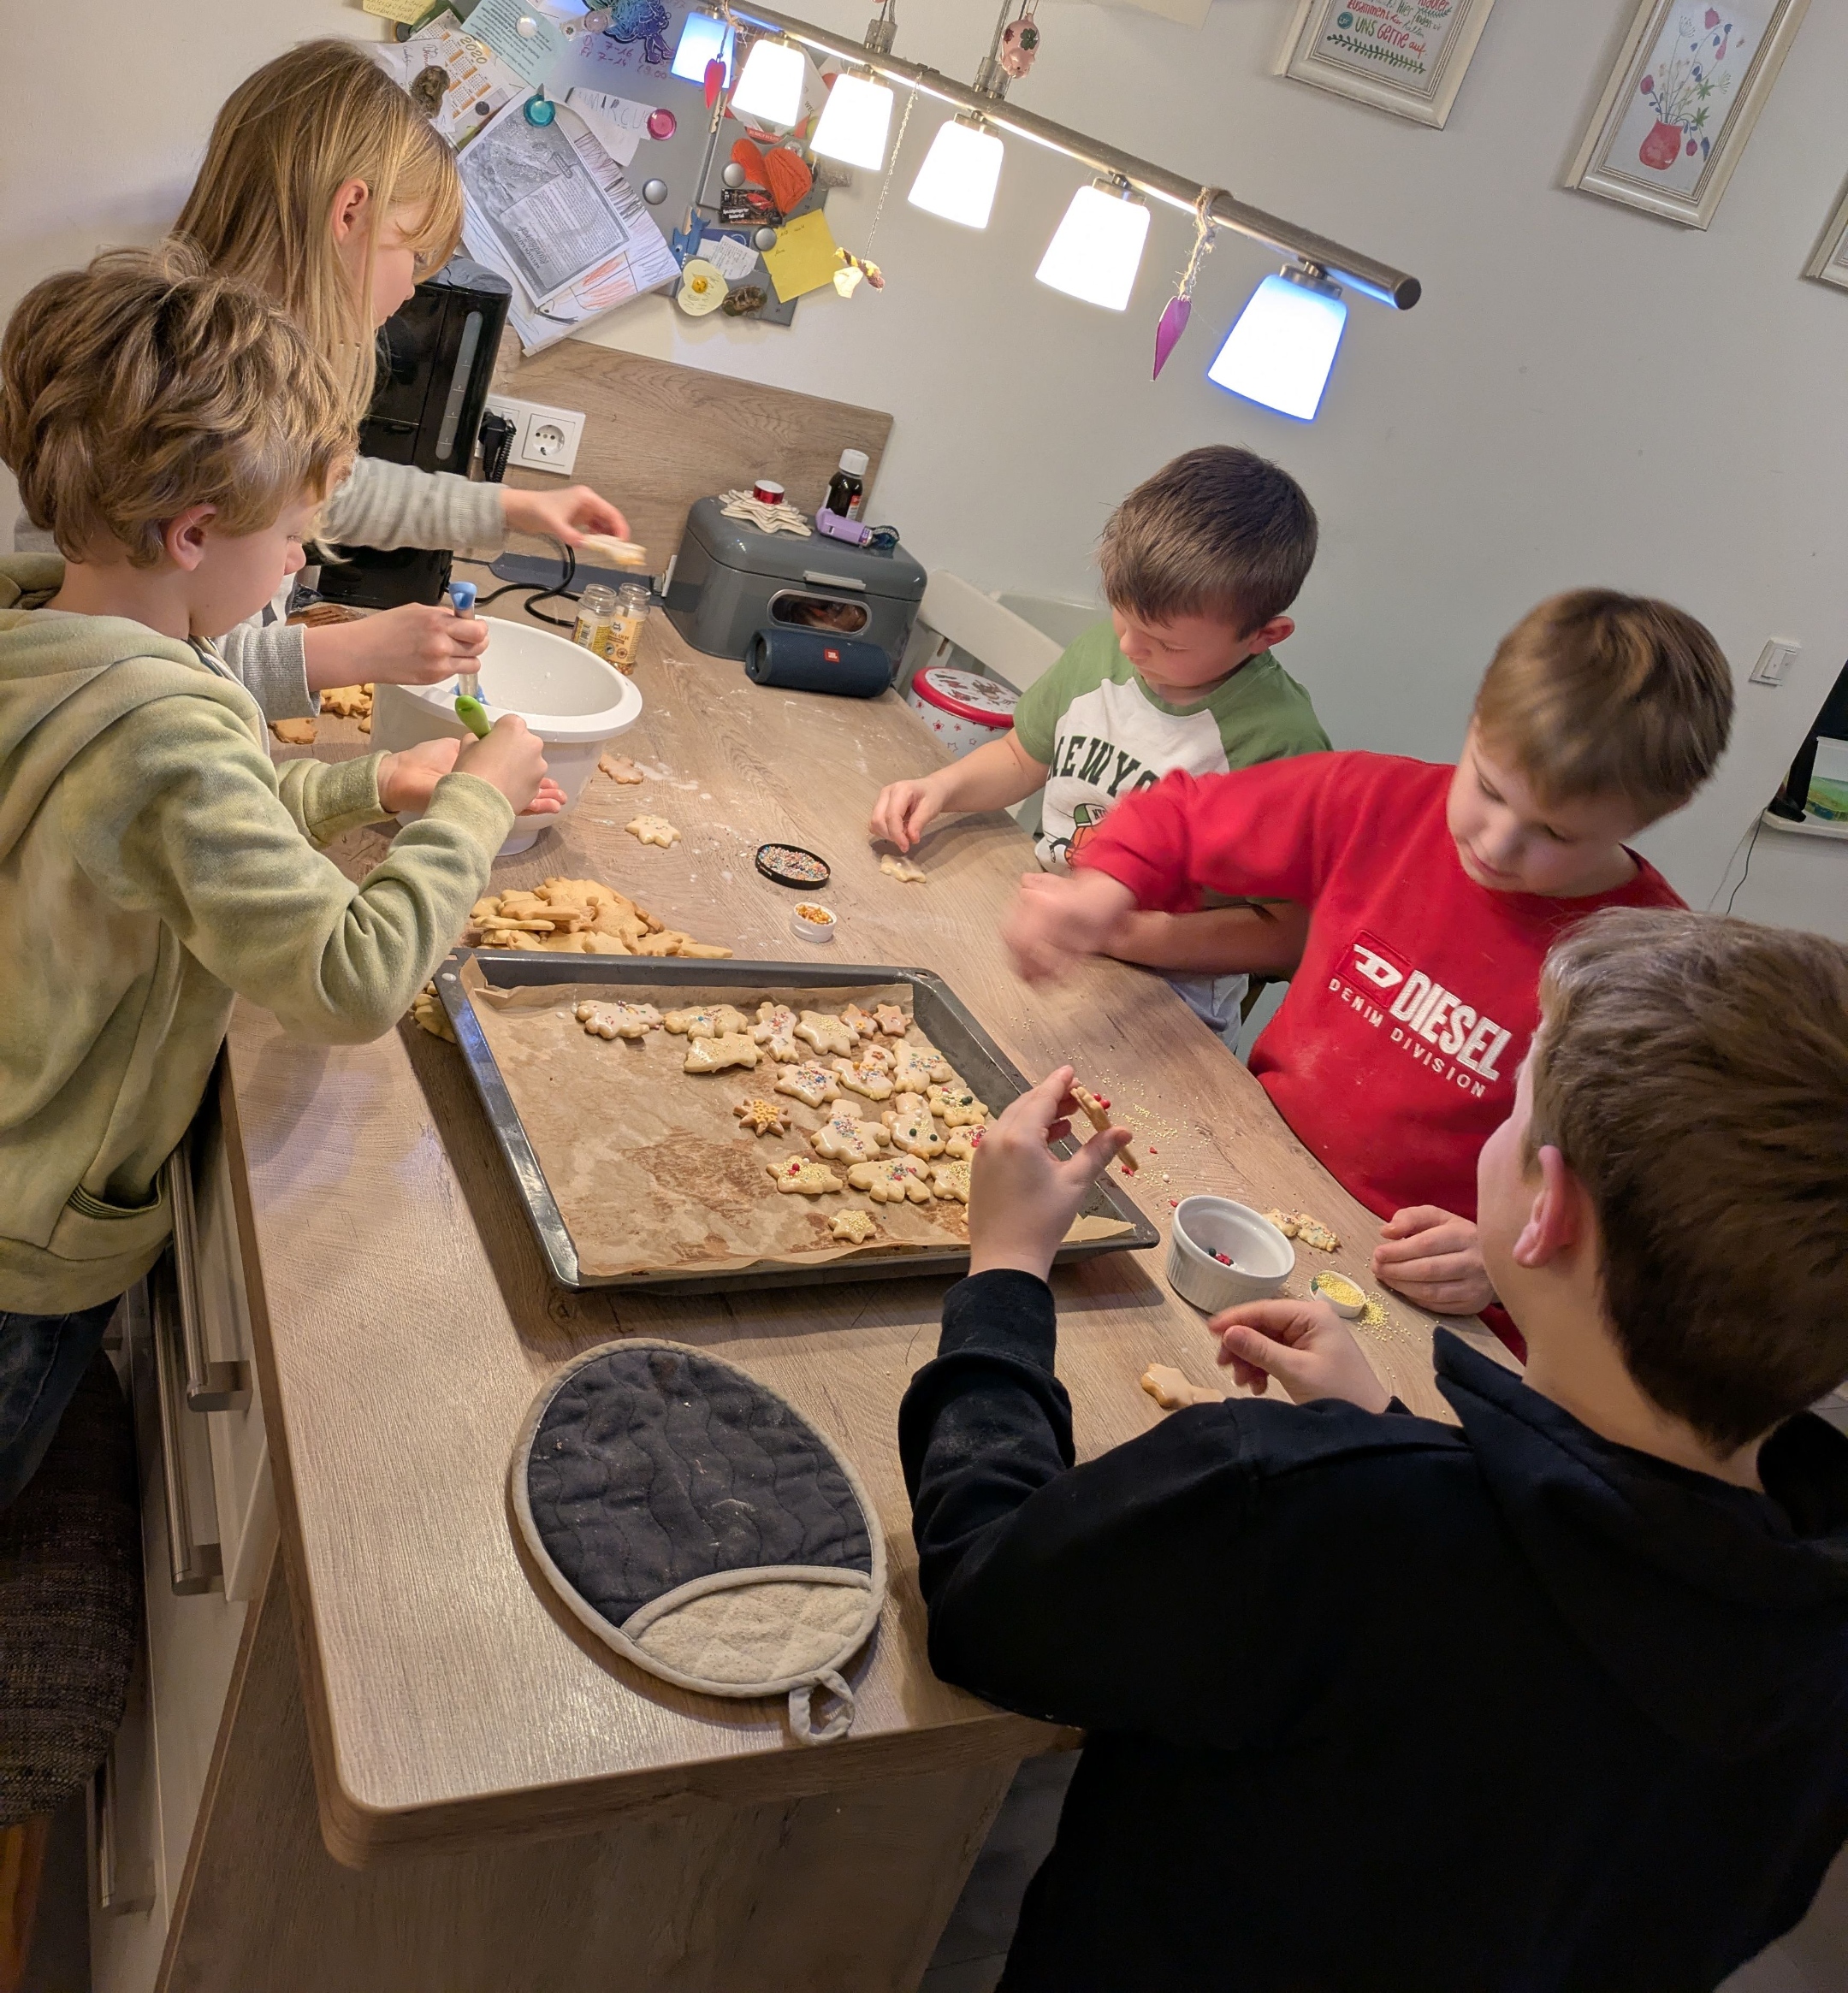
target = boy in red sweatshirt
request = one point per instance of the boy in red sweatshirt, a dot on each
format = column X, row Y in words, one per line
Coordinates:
column 1434, row 894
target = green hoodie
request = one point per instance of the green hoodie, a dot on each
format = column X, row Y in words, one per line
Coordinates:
column 153, row 863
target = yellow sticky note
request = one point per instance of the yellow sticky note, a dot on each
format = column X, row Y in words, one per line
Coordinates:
column 409, row 12
column 805, row 258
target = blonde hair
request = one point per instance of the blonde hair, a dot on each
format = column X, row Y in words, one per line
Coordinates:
column 287, row 140
column 1219, row 532
column 1693, row 1071
column 147, row 383
column 1597, row 693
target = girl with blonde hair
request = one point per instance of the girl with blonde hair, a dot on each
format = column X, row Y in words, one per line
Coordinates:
column 323, row 187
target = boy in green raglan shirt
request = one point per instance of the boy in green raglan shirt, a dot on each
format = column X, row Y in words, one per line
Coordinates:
column 1199, row 563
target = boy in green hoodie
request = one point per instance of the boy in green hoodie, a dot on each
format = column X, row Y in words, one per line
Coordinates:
column 173, row 433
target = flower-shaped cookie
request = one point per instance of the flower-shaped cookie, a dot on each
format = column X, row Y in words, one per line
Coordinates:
column 652, row 831
column 761, row 1116
column 858, row 1227
column 891, row 1179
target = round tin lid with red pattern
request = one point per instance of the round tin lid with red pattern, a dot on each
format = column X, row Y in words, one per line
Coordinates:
column 968, row 696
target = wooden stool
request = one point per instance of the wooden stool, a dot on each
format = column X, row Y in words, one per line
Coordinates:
column 70, row 1618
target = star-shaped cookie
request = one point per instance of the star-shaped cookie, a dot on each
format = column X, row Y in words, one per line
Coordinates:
column 761, row 1116
column 858, row 1227
column 652, row 831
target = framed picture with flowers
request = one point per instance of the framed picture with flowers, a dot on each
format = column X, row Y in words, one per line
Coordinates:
column 1829, row 265
column 1680, row 102
column 1407, row 57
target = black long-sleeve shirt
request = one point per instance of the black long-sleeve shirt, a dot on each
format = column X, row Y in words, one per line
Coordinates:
column 1375, row 1702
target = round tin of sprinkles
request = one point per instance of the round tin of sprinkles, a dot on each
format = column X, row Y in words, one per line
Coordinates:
column 789, row 865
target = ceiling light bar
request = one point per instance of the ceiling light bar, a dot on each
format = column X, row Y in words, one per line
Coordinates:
column 1348, row 267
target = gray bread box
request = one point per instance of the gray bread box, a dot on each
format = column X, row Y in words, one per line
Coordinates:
column 731, row 581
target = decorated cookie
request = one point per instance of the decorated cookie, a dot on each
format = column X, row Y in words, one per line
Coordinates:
column 1313, row 1232
column 811, row 1085
column 891, row 1179
column 857, row 1020
column 951, row 1179
column 902, row 870
column 877, row 1053
column 775, row 1031
column 914, row 1069
column 914, row 1131
column 802, row 1176
column 716, row 1055
column 621, row 768
column 858, row 1227
column 824, row 1031
column 964, row 1142
column 955, row 1107
column 618, row 1020
column 652, row 831
column 1283, row 1220
column 710, row 1020
column 845, row 1138
column 763, row 1117
column 873, row 1082
column 891, row 1021
column 1173, row 1391
column 1097, row 1112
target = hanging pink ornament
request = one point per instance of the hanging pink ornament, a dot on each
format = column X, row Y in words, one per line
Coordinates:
column 714, row 81
column 1168, row 332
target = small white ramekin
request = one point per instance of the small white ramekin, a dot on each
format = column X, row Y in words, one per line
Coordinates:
column 1262, row 1257
column 812, row 930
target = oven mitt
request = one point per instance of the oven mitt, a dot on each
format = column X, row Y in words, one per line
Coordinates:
column 699, row 1525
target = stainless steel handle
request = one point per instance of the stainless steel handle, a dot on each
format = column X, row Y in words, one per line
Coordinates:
column 208, row 1385
column 196, row 1567
column 121, row 1888
column 816, row 579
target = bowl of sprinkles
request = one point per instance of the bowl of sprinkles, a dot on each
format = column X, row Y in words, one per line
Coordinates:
column 1342, row 1295
column 789, row 865
column 811, row 921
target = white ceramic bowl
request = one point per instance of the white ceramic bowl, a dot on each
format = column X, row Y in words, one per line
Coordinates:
column 814, row 931
column 1262, row 1257
column 575, row 702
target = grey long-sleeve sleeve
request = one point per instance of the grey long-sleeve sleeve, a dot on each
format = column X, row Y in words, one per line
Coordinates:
column 380, row 504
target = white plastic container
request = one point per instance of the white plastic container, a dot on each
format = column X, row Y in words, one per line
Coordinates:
column 806, row 926
column 1262, row 1257
column 575, row 702
column 962, row 710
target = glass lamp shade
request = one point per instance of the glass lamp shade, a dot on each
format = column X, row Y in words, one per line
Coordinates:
column 703, row 40
column 1283, row 346
column 771, row 87
column 854, row 122
column 1097, row 248
column 959, row 175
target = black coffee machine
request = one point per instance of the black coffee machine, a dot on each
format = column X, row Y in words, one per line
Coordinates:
column 437, row 355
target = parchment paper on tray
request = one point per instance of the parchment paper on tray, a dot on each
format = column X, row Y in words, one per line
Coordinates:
column 651, row 1171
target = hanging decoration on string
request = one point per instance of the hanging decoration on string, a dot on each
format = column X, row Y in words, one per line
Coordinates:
column 1020, row 41
column 853, row 269
column 1179, row 308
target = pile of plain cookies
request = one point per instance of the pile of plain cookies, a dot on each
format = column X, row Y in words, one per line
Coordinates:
column 819, row 1057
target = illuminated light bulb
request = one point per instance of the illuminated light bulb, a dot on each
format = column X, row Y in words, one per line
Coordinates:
column 1281, row 350
column 1097, row 248
column 959, row 175
column 854, row 122
column 705, row 38
column 771, row 88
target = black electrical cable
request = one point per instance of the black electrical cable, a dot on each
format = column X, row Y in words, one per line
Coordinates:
column 535, row 593
column 1752, row 845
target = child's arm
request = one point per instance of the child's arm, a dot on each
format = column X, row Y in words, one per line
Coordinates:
column 1218, row 941
column 993, row 776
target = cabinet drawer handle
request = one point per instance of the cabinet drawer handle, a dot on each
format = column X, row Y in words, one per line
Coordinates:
column 208, row 1385
column 196, row 1567
column 120, row 1889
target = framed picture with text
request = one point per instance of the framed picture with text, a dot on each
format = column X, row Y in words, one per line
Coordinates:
column 1829, row 265
column 1680, row 102
column 1407, row 57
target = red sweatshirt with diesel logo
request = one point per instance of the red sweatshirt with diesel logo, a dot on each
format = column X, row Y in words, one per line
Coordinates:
column 1394, row 1055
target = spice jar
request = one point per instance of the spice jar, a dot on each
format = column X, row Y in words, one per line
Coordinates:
column 627, row 616
column 596, row 626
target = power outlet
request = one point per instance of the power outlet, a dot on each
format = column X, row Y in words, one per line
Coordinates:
column 544, row 439
column 1774, row 662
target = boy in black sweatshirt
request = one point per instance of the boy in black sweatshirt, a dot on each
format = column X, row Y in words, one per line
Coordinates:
column 1555, row 1699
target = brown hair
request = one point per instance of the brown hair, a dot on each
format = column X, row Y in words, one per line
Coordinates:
column 1219, row 532
column 143, row 385
column 1693, row 1071
column 1598, row 694
column 287, row 141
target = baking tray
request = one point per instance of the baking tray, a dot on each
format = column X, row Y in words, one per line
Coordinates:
column 993, row 1076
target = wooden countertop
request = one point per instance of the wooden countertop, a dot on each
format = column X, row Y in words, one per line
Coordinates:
column 405, row 1322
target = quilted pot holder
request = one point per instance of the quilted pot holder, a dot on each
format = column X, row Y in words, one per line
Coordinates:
column 699, row 1525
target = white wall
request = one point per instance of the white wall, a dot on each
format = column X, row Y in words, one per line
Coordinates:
column 1586, row 394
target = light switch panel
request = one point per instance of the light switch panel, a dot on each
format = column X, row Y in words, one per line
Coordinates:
column 1774, row 662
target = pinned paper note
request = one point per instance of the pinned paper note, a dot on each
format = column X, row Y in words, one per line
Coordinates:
column 806, row 256
column 526, row 40
column 409, row 12
column 730, row 255
column 618, row 122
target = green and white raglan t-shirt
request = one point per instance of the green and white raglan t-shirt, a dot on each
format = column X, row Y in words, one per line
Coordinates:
column 1103, row 735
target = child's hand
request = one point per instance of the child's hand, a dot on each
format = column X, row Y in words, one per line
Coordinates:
column 512, row 760
column 1304, row 1345
column 418, row 643
column 1434, row 1257
column 561, row 515
column 1056, row 922
column 407, row 779
column 1022, row 1199
column 904, row 811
